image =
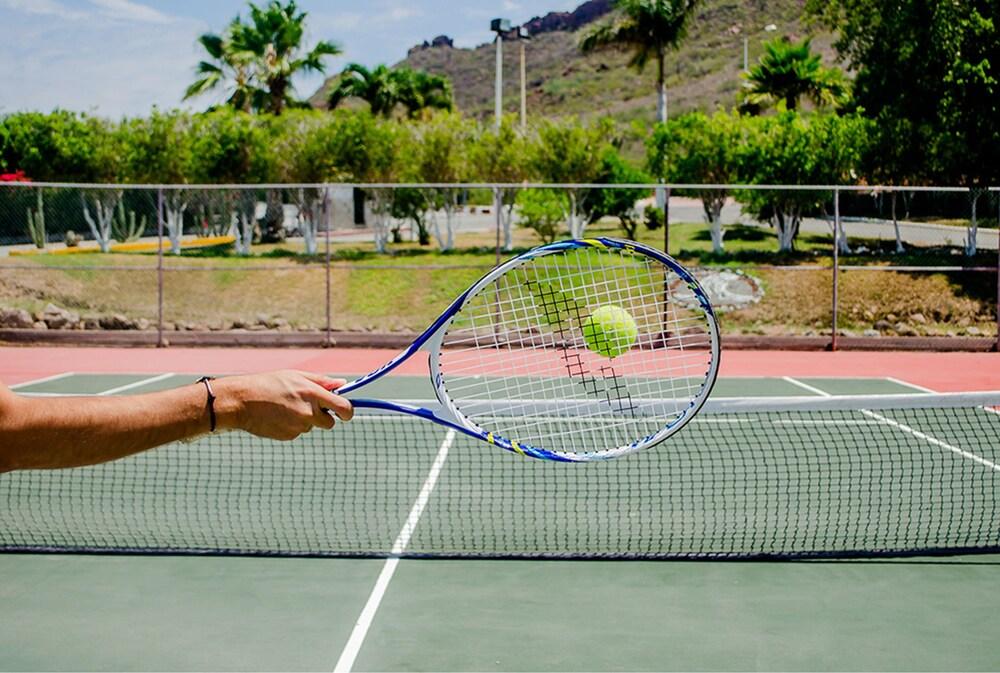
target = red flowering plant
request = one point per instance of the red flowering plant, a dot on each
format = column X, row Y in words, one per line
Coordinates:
column 16, row 176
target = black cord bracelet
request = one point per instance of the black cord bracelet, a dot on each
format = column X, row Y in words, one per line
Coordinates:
column 211, row 399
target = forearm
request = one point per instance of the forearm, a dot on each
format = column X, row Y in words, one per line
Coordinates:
column 41, row 433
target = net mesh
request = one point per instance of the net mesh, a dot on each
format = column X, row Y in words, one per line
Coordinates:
column 600, row 330
column 771, row 480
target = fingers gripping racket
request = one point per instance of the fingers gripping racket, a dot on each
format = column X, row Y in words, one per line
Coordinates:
column 574, row 351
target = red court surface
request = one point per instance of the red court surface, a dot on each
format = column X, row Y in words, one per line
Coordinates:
column 941, row 372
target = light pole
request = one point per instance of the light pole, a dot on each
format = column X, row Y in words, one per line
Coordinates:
column 499, row 26
column 522, row 37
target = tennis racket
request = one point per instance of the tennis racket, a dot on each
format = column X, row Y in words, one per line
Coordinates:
column 523, row 360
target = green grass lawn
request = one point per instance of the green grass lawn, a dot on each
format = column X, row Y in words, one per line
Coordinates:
column 405, row 290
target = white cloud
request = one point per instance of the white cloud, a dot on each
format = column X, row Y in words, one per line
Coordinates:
column 399, row 13
column 130, row 11
column 43, row 7
column 510, row 6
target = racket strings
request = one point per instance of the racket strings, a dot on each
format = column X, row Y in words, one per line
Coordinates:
column 522, row 339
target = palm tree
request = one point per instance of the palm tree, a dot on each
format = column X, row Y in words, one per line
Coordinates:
column 379, row 88
column 230, row 68
column 424, row 91
column 256, row 61
column 385, row 89
column 788, row 71
column 274, row 35
column 648, row 28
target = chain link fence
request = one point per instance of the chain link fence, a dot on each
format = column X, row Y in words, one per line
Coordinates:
column 318, row 261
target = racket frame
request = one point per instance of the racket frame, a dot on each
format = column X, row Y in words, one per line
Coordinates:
column 445, row 413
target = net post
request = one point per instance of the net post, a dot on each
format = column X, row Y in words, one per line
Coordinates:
column 996, row 346
column 836, row 269
column 159, row 268
column 328, row 338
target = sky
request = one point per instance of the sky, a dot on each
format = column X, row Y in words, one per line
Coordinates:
column 122, row 57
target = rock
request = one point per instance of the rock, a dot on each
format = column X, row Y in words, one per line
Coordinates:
column 847, row 333
column 902, row 329
column 973, row 331
column 39, row 325
column 891, row 317
column 882, row 325
column 142, row 324
column 239, row 324
column 257, row 328
column 871, row 333
column 964, row 322
column 263, row 319
column 91, row 322
column 279, row 324
column 169, row 327
column 59, row 318
column 116, row 321
column 918, row 318
column 17, row 318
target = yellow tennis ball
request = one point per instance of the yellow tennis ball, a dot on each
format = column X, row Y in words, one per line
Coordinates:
column 610, row 331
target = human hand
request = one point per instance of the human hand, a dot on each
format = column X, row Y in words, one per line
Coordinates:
column 280, row 405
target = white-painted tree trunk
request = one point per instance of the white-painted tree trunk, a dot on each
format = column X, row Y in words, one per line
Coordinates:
column 713, row 214
column 787, row 227
column 174, row 222
column 895, row 227
column 973, row 231
column 100, row 221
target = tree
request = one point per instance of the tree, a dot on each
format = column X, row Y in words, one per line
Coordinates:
column 648, row 28
column 788, row 71
column 620, row 202
column 440, row 154
column 230, row 68
column 301, row 154
column 423, row 92
column 790, row 149
column 928, row 74
column 232, row 147
column 386, row 89
column 158, row 150
column 698, row 149
column 570, row 152
column 542, row 211
column 362, row 148
column 257, row 61
column 501, row 155
column 274, row 36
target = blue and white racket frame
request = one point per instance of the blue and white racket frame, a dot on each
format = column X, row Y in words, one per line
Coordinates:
column 445, row 412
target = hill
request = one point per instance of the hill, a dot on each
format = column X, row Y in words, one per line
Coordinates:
column 702, row 74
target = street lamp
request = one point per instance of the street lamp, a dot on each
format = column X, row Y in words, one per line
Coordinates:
column 500, row 27
column 522, row 37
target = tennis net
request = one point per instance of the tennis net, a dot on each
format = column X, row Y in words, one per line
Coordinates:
column 790, row 477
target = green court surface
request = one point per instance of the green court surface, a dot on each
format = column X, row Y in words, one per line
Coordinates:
column 122, row 612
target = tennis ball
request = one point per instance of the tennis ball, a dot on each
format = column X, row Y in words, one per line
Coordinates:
column 610, row 331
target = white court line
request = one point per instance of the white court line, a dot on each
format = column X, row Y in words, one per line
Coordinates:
column 357, row 639
column 805, row 386
column 934, row 441
column 135, row 384
column 907, row 384
column 46, row 379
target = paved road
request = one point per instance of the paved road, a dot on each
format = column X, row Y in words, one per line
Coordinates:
column 690, row 210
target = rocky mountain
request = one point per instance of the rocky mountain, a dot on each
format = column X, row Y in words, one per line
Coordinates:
column 704, row 73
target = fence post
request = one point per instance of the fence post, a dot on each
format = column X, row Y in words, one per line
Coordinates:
column 497, row 206
column 159, row 268
column 836, row 268
column 666, row 220
column 996, row 346
column 328, row 342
